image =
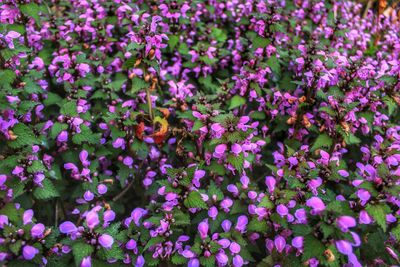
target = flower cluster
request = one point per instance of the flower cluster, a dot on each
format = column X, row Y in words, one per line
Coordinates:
column 199, row 133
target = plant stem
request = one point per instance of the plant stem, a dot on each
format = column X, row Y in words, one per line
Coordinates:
column 149, row 103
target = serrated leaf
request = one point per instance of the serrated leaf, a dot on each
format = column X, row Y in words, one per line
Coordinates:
column 323, row 140
column 47, row 191
column 69, row 109
column 378, row 212
column 260, row 42
column 313, row 248
column 237, row 161
column 81, row 250
column 194, row 200
column 31, row 10
column 178, row 259
column 274, row 64
column 236, row 101
column 257, row 226
column 24, row 136
column 153, row 241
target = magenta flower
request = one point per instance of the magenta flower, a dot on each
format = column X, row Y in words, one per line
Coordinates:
column 297, row 242
column 219, row 151
column 29, row 252
column 345, row 222
column 237, row 261
column 3, row 221
column 270, row 182
column 234, row 248
column 62, row 136
column 106, row 241
column 37, row 230
column 86, row 262
column 241, row 223
column 280, row 243
column 203, row 230
column 68, row 228
column 316, row 204
column 92, row 219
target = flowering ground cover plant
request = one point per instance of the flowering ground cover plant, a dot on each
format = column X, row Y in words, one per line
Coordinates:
column 199, row 133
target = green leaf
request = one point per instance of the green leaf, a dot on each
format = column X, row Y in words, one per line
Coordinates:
column 351, row 139
column 69, row 109
column 37, row 166
column 378, row 212
column 31, row 10
column 81, row 250
column 86, row 135
column 391, row 104
column 260, row 42
column 194, row 200
column 214, row 190
column 173, row 40
column 237, row 101
column 219, row 34
column 273, row 63
column 138, row 85
column 57, row 128
column 323, row 140
column 396, row 232
column 257, row 226
column 24, row 136
column 313, row 248
column 153, row 241
column 236, row 161
column 178, row 260
column 47, row 191
column 208, row 262
column 7, row 77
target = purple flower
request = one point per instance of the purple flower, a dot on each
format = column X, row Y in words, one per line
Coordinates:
column 193, row 262
column 68, row 228
column 236, row 149
column 88, row 196
column 131, row 244
column 203, row 230
column 92, row 219
column 221, row 258
column 226, row 225
column 106, row 241
column 219, row 151
column 62, row 136
column 237, row 261
column 345, row 222
column 37, row 230
column 3, row 179
column 213, row 212
column 27, row 216
column 140, row 261
column 119, row 143
column 102, row 189
column 270, row 182
column 3, row 221
column 83, row 157
column 316, row 204
column 297, row 242
column 241, row 224
column 363, row 195
column 128, row 161
column 86, row 262
column 282, row 210
column 234, row 248
column 280, row 243
column 29, row 252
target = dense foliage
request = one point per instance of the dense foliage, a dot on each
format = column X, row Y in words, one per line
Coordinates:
column 198, row 133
